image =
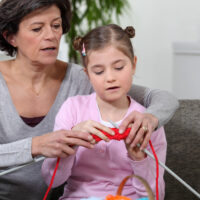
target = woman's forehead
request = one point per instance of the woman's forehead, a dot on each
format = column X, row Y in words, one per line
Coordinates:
column 51, row 12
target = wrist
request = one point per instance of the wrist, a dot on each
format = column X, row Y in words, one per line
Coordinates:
column 137, row 158
column 35, row 146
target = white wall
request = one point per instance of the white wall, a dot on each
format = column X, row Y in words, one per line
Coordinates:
column 158, row 24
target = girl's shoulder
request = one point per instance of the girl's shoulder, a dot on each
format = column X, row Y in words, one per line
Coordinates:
column 80, row 100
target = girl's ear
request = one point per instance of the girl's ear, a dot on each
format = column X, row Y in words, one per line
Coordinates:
column 86, row 71
column 134, row 64
column 10, row 39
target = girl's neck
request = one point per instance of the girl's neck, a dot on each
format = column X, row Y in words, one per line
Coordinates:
column 114, row 111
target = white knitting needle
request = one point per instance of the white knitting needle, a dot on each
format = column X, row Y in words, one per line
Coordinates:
column 165, row 167
column 21, row 166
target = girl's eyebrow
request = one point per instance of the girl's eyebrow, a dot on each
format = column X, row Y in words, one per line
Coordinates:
column 116, row 61
column 96, row 66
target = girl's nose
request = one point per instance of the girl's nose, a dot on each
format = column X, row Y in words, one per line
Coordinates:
column 110, row 77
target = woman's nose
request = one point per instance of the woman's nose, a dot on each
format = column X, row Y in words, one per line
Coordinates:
column 49, row 33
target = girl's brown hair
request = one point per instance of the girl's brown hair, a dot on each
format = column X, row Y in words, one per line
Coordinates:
column 104, row 36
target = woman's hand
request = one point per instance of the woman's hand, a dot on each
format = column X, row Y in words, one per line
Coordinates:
column 94, row 128
column 60, row 143
column 143, row 124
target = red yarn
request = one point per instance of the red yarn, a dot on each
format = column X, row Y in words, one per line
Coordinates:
column 117, row 135
column 52, row 180
column 157, row 169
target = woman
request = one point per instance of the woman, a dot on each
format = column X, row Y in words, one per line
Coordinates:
column 35, row 84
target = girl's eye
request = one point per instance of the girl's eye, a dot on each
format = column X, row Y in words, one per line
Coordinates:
column 98, row 73
column 36, row 29
column 119, row 68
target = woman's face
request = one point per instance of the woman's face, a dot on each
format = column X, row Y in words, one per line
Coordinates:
column 39, row 36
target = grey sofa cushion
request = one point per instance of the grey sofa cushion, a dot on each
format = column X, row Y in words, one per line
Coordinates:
column 183, row 153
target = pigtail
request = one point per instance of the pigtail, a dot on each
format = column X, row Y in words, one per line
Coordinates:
column 78, row 44
column 130, row 31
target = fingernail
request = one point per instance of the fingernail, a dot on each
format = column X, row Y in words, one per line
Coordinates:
column 121, row 131
column 90, row 137
column 91, row 146
column 93, row 141
column 113, row 133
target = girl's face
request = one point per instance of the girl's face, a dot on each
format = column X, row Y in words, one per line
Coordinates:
column 39, row 36
column 110, row 72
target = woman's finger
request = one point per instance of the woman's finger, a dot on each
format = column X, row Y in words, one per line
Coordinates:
column 134, row 130
column 140, row 135
column 145, row 142
column 128, row 120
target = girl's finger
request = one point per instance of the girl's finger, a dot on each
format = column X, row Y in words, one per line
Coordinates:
column 78, row 142
column 104, row 128
column 98, row 133
column 80, row 135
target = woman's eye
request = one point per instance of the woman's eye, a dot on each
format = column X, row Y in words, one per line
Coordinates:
column 36, row 29
column 56, row 26
column 119, row 68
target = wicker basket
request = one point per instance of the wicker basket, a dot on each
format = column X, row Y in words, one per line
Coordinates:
column 119, row 191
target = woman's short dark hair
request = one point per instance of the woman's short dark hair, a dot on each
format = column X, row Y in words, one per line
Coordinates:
column 13, row 11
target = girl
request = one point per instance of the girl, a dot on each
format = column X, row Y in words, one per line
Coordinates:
column 110, row 64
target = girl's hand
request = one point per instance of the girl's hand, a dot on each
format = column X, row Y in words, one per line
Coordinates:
column 94, row 128
column 143, row 124
column 135, row 153
column 60, row 143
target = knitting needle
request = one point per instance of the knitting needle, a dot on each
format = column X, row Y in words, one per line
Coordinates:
column 21, row 166
column 165, row 167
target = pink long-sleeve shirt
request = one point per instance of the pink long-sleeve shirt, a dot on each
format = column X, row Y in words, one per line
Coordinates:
column 99, row 171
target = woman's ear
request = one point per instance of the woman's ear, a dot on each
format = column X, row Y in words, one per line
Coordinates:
column 9, row 38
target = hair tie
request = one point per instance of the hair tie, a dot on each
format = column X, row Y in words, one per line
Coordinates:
column 83, row 51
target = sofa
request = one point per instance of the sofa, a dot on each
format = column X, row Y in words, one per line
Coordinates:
column 183, row 151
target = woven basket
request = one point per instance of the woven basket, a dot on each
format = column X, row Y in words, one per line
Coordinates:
column 119, row 191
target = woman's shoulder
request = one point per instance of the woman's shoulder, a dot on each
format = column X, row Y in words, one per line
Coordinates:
column 4, row 65
column 134, row 105
column 5, row 68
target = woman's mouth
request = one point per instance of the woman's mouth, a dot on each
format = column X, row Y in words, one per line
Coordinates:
column 49, row 49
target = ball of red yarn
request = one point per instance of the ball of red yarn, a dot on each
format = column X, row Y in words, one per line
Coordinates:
column 117, row 136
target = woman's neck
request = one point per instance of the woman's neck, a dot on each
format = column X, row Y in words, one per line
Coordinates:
column 114, row 111
column 30, row 75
